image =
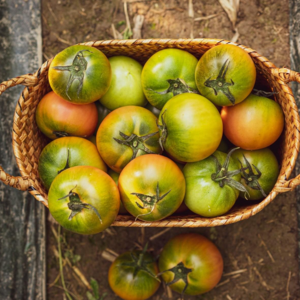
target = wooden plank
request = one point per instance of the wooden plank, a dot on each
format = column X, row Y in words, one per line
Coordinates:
column 295, row 65
column 22, row 218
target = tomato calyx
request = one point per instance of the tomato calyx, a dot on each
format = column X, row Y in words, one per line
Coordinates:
column 139, row 263
column 164, row 131
column 135, row 142
column 149, row 201
column 177, row 86
column 220, row 85
column 223, row 176
column 76, row 205
column 251, row 179
column 67, row 166
column 77, row 71
column 180, row 272
column 59, row 134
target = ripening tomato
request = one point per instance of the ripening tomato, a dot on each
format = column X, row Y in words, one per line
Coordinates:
column 126, row 133
column 259, row 174
column 56, row 117
column 212, row 184
column 132, row 276
column 254, row 124
column 84, row 200
column 126, row 87
column 168, row 73
column 152, row 187
column 191, row 264
column 190, row 127
column 65, row 153
column 80, row 74
column 225, row 75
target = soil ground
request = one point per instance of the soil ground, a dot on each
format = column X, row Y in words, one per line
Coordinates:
column 262, row 251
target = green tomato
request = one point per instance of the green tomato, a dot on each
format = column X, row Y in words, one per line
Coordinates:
column 211, row 190
column 126, row 88
column 168, row 73
column 84, row 200
column 80, row 74
column 261, row 174
column 67, row 152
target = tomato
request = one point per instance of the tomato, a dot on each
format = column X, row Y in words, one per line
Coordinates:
column 126, row 88
column 65, row 153
column 152, row 187
column 84, row 200
column 191, row 264
column 254, row 124
column 115, row 176
column 168, row 73
column 126, row 133
column 225, row 75
column 132, row 275
column 261, row 174
column 56, row 117
column 190, row 127
column 80, row 74
column 212, row 184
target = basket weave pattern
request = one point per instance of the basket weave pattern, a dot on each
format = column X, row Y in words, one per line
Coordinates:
column 28, row 141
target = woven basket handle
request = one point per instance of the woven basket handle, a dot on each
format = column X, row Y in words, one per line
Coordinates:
column 287, row 75
column 18, row 182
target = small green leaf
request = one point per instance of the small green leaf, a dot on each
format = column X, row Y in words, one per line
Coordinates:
column 103, row 296
column 76, row 258
column 90, row 296
column 95, row 287
column 120, row 23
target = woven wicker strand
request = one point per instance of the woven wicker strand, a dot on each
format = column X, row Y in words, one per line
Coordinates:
column 28, row 141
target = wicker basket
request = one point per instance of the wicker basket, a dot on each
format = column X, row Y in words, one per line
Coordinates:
column 28, row 141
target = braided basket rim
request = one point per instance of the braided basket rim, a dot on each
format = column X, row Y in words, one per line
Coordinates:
column 234, row 215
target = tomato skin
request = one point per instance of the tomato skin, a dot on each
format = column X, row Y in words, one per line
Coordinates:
column 94, row 187
column 96, row 78
column 204, row 196
column 126, row 88
column 122, row 282
column 197, row 253
column 115, row 176
column 77, row 151
column 254, row 124
column 128, row 120
column 194, row 127
column 266, row 162
column 54, row 114
column 239, row 74
column 167, row 64
column 142, row 176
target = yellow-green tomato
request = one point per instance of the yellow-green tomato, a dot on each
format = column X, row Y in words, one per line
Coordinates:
column 80, row 74
column 67, row 152
column 132, row 276
column 211, row 187
column 84, row 200
column 190, row 127
column 125, row 88
column 225, row 75
column 260, row 172
column 152, row 187
column 168, row 73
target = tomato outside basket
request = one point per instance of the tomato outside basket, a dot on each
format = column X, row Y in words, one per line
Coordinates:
column 28, row 141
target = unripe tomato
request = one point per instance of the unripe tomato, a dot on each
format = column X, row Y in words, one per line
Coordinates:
column 56, row 117
column 152, row 187
column 84, row 199
column 191, row 264
column 190, row 127
column 65, row 153
column 225, row 75
column 125, row 88
column 132, row 276
column 80, row 74
column 254, row 124
column 168, row 73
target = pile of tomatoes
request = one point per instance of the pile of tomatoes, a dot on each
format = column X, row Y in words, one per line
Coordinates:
column 156, row 142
